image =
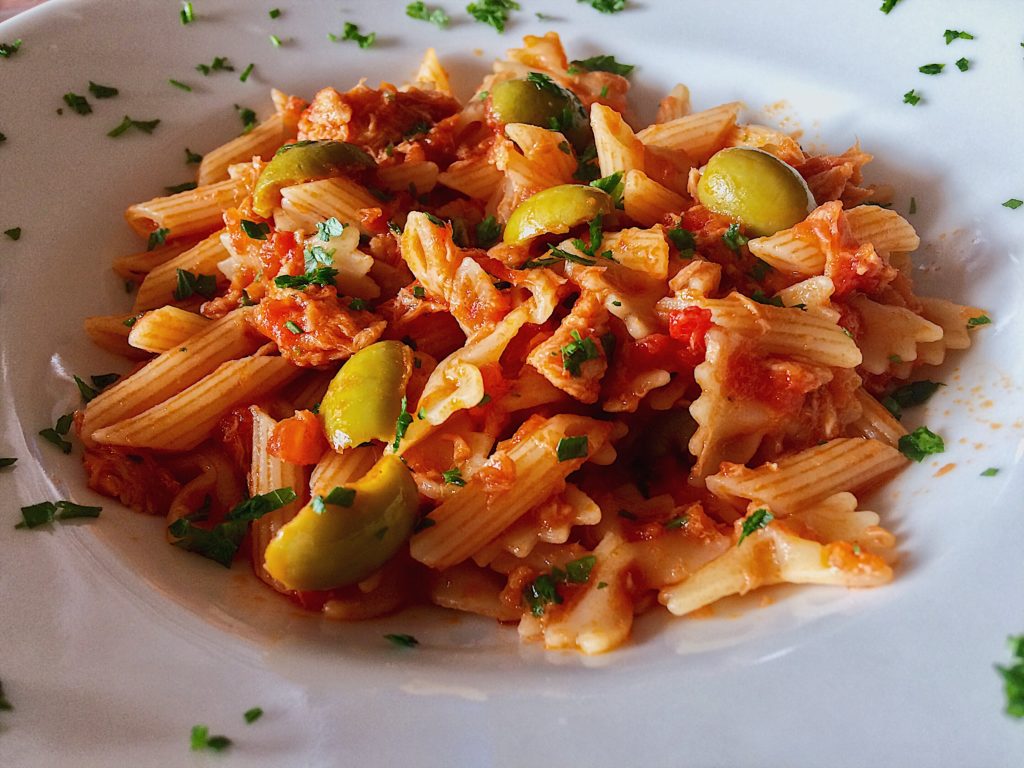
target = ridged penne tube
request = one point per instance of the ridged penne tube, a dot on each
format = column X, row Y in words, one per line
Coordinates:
column 309, row 204
column 793, row 482
column 890, row 333
column 646, row 201
column 186, row 419
column 642, row 250
column 339, row 469
column 417, row 178
column 789, row 251
column 875, row 421
column 699, row 134
column 838, row 519
column 675, row 105
column 262, row 141
column 174, row 370
column 521, row 474
column 477, row 178
column 165, row 328
column 618, row 148
column 268, row 473
column 195, row 212
column 109, row 332
column 202, row 259
column 135, row 266
column 779, row 330
column 775, row 555
column 545, row 149
column 431, row 73
column 883, row 228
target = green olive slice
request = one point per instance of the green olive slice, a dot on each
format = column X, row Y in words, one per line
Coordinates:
column 301, row 162
column 555, row 211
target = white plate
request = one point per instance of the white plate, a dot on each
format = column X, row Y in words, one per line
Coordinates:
column 114, row 644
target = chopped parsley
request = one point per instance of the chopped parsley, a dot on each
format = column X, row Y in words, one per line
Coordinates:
column 185, row 186
column 955, row 34
column 102, row 91
column 274, row 13
column 931, row 69
column 577, row 352
column 1013, row 678
column 677, row 522
column 453, row 476
column 325, row 230
column 246, row 72
column 7, row 461
column 254, row 714
column 606, row 6
column 909, row 395
column 341, row 496
column 9, row 49
column 543, row 590
column 1013, row 203
column 254, row 230
column 56, row 433
column 351, row 32
column 888, row 5
column 402, row 641
column 402, row 424
column 5, row 705
column 962, row 64
column 990, row 472
column 612, row 185
column 181, row 85
column 763, row 298
column 419, row 292
column 683, row 240
column 276, row 41
column 733, row 238
column 146, row 126
column 189, row 285
column 157, row 238
column 77, row 103
column 87, row 392
column 419, row 10
column 913, row 206
column 600, row 64
column 492, row 12
column 192, row 158
column 187, row 14
column 920, row 443
column 487, row 232
column 357, row 305
column 219, row 64
column 760, row 269
column 294, row 327
column 46, row 512
column 572, row 448
column 14, row 233
column 200, row 737
column 755, row 521
column 974, row 322
column 587, row 170
column 221, row 542
column 248, row 118
column 912, row 97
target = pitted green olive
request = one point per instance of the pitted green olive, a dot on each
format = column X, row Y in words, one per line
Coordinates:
column 538, row 100
column 302, row 162
column 556, row 210
column 756, row 189
column 339, row 545
column 364, row 399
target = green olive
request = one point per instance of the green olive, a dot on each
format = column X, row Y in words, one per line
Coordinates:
column 301, row 162
column 539, row 100
column 756, row 189
column 343, row 545
column 556, row 210
column 364, row 399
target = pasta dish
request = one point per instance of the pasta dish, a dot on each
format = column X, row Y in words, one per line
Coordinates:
column 519, row 356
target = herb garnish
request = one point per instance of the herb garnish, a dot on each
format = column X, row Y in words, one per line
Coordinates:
column 577, row 352
column 5, row 705
column 255, row 230
column 102, row 91
column 962, row 64
column 7, row 461
column 77, row 103
column 246, row 72
column 569, row 448
column 47, row 512
column 402, row 424
column 888, row 5
column 185, row 186
column 492, row 12
column 734, row 239
column 909, row 395
column 1013, row 203
column 351, row 32
column 974, row 322
column 954, row 34
column 325, row 230
column 911, row 97
column 254, row 714
column 187, row 14
column 181, row 85
column 755, row 521
column 990, row 472
column 488, row 232
column 248, row 118
column 419, row 10
column 606, row 6
column 683, row 240
column 276, row 41
column 274, row 13
column 189, row 285
column 192, row 158
column 453, row 476
column 612, row 185
column 14, row 233
column 294, row 327
column 931, row 69
column 403, row 641
column 9, row 49
column 602, row 63
column 146, row 126
column 920, row 443
column 1013, row 678
column 341, row 496
column 543, row 590
column 201, row 739
column 219, row 64
column 55, row 434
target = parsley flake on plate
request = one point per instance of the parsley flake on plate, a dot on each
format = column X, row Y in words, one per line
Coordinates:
column 921, row 443
column 146, row 126
column 402, row 641
column 755, row 521
column 351, row 32
column 219, row 64
column 56, row 433
column 157, row 238
column 5, row 704
column 492, row 12
column 46, row 512
column 888, row 5
column 7, row 461
column 909, row 395
column 931, row 69
column 189, row 285
column 180, row 85
column 7, row 50
column 1013, row 678
column 955, row 34
column 603, row 63
column 78, row 103
column 248, row 118
column 102, row 91
column 192, row 158
column 187, row 14
column 912, row 97
column 606, row 6
column 419, row 10
column 962, row 64
column 255, row 713
column 570, row 448
column 1013, row 203
column 14, row 233
column 201, row 739
column 990, row 472
column 246, row 72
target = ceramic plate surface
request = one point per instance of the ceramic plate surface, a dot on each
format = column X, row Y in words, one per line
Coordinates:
column 114, row 644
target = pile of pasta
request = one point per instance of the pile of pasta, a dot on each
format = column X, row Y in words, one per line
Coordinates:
column 727, row 396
